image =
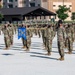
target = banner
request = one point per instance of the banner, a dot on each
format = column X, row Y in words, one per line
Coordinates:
column 22, row 33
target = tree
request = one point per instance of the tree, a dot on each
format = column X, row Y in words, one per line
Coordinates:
column 73, row 16
column 62, row 12
column 1, row 16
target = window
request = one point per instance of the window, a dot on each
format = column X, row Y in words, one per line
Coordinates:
column 59, row 5
column 10, row 6
column 32, row 4
column 65, row 5
column 10, row 0
column 15, row 6
column 5, row 0
column 69, row 10
column 3, row 3
column 70, row 5
column 22, row 2
column 15, row 0
column 54, row 5
column 38, row 4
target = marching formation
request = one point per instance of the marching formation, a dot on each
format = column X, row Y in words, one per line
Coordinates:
column 65, row 36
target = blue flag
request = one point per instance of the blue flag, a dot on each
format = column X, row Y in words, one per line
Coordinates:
column 22, row 33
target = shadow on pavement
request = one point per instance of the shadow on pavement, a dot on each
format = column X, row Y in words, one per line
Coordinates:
column 44, row 57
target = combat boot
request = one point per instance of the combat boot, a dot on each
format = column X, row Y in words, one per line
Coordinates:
column 27, row 49
column 61, row 58
column 24, row 47
column 69, row 52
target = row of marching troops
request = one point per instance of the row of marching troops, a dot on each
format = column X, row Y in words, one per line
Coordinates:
column 65, row 36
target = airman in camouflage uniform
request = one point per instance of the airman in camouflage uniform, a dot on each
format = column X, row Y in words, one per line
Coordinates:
column 6, row 36
column 43, row 31
column 28, row 36
column 69, row 33
column 60, row 39
column 11, row 33
column 49, row 32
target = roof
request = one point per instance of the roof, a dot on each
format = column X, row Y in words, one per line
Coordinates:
column 27, row 11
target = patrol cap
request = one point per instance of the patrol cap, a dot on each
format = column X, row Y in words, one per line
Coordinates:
column 60, row 22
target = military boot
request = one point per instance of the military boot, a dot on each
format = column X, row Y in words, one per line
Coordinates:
column 61, row 58
column 69, row 52
column 24, row 47
column 27, row 49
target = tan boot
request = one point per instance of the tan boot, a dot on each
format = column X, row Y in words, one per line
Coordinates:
column 68, row 52
column 27, row 49
column 6, row 48
column 24, row 47
column 61, row 58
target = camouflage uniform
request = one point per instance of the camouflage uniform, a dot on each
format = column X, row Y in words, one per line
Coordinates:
column 6, row 37
column 69, row 33
column 24, row 42
column 15, row 28
column 54, row 30
column 11, row 33
column 43, row 31
column 49, row 33
column 74, row 31
column 39, row 32
column 35, row 31
column 28, row 36
column 60, row 40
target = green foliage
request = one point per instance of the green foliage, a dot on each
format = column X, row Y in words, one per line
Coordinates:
column 0, row 6
column 73, row 16
column 62, row 12
column 1, row 16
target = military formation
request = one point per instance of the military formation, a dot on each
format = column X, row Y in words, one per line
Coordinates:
column 65, row 35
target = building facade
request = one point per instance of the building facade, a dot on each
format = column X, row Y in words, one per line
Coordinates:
column 51, row 5
column 13, row 3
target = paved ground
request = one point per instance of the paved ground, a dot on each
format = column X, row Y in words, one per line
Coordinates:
column 16, row 61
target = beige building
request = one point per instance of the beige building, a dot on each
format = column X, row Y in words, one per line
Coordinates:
column 53, row 5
